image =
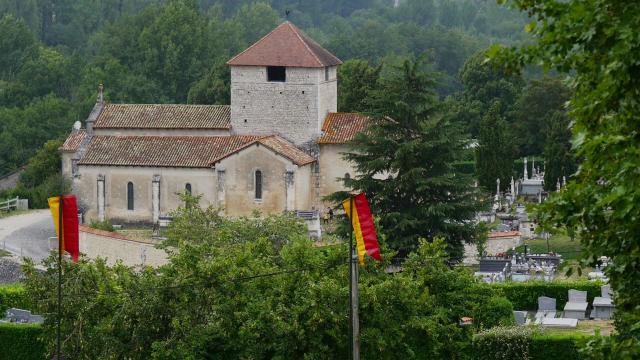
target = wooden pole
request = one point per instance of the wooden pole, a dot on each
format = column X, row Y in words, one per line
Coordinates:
column 60, row 249
column 353, row 292
column 354, row 308
column 351, row 276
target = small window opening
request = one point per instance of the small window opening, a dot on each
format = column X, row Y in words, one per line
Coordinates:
column 258, row 176
column 187, row 188
column 347, row 176
column 326, row 74
column 129, row 195
column 277, row 73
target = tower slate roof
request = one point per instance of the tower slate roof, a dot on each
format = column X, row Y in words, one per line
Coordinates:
column 286, row 45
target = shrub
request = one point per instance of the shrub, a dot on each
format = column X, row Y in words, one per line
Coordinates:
column 556, row 346
column 502, row 343
column 102, row 225
column 524, row 343
column 21, row 342
column 524, row 295
column 13, row 296
column 496, row 311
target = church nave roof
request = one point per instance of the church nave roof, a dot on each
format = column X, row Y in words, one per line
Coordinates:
column 164, row 116
column 181, row 151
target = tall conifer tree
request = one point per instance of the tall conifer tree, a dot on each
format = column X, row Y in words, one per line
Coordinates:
column 405, row 165
column 559, row 160
column 495, row 151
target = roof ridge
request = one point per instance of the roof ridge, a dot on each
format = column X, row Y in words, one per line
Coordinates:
column 257, row 42
column 306, row 46
column 161, row 104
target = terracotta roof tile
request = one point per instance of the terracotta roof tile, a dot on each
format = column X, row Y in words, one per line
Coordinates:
column 287, row 149
column 162, row 151
column 181, row 151
column 286, row 45
column 339, row 128
column 164, row 116
column 74, row 140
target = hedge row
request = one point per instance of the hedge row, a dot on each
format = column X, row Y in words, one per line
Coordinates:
column 13, row 296
column 524, row 295
column 522, row 343
column 21, row 342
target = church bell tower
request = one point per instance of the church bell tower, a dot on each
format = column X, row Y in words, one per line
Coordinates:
column 284, row 84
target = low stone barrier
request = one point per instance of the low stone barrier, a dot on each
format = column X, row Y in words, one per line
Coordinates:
column 113, row 246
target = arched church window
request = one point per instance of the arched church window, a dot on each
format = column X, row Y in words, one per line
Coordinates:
column 130, row 195
column 187, row 188
column 258, row 182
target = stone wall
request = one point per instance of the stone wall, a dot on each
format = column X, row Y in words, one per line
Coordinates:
column 172, row 182
column 332, row 167
column 10, row 181
column 294, row 109
column 112, row 246
column 236, row 196
column 239, row 182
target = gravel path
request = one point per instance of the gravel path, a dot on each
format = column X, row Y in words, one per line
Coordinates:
column 10, row 271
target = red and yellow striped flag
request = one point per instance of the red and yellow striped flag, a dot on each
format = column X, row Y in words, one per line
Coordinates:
column 363, row 227
column 69, row 240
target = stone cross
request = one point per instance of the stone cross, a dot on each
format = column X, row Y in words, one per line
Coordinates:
column 497, row 188
column 533, row 167
column 558, row 185
column 526, row 175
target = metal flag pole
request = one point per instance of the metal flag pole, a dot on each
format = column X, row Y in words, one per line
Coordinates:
column 60, row 248
column 353, row 292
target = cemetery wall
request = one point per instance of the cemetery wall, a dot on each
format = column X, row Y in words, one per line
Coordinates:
column 112, row 246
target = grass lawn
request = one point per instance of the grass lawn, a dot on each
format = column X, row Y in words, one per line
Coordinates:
column 559, row 243
column 137, row 234
column 4, row 214
column 588, row 327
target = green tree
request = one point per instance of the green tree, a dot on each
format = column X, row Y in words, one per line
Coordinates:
column 172, row 47
column 17, row 46
column 45, row 163
column 596, row 41
column 214, row 88
column 559, row 160
column 356, row 79
column 405, row 165
column 258, row 288
column 495, row 151
column 533, row 110
column 484, row 83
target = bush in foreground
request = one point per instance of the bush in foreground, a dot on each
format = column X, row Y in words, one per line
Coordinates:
column 257, row 288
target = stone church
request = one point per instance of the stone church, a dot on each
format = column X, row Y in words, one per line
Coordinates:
column 275, row 148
